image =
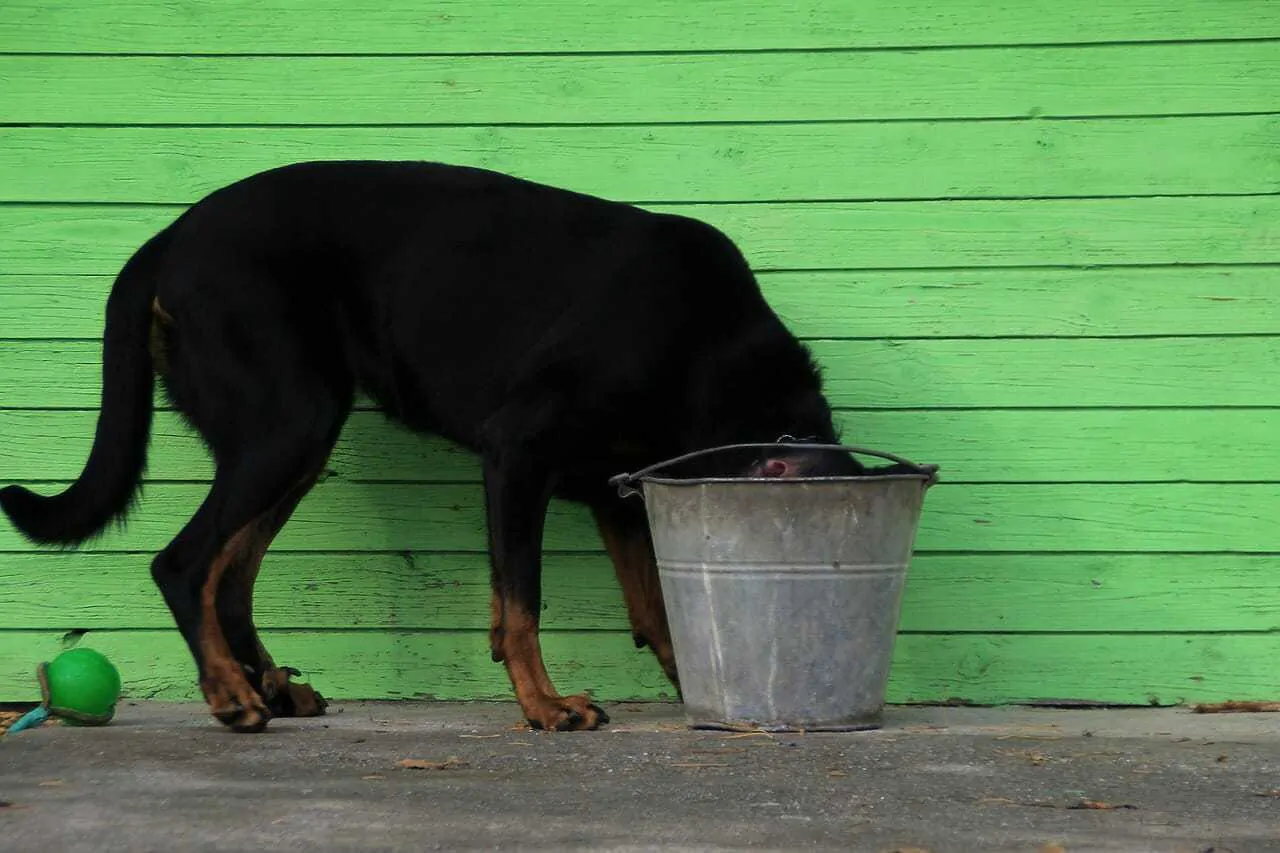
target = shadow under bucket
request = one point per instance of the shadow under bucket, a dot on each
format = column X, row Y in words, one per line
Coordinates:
column 783, row 595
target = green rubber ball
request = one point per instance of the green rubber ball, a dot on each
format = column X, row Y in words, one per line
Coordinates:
column 85, row 682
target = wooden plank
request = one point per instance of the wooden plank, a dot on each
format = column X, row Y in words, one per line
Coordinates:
column 927, row 373
column 94, row 239
column 1030, row 303
column 1002, row 233
column 989, row 669
column 974, row 446
column 973, row 593
column 68, row 591
column 708, row 163
column 462, row 26
column 391, row 664
column 1150, row 669
column 1114, row 80
column 1046, row 372
column 867, row 304
column 1142, row 517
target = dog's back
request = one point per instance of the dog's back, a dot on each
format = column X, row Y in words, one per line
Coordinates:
column 447, row 289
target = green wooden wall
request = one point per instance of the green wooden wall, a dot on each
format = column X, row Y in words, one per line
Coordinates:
column 1036, row 242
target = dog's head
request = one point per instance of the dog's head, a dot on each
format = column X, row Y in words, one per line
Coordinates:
column 763, row 386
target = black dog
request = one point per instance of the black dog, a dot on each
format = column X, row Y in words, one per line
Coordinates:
column 564, row 338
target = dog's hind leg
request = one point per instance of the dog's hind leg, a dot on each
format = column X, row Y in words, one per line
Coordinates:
column 626, row 538
column 225, row 537
column 268, row 393
column 517, row 492
column 188, row 573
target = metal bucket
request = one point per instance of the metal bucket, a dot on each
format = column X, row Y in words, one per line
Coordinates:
column 783, row 595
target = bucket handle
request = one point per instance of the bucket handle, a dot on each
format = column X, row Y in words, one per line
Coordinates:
column 625, row 482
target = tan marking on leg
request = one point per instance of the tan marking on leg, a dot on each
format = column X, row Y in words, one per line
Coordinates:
column 522, row 653
column 283, row 697
column 246, row 571
column 518, row 642
column 637, row 571
column 287, row 697
column 159, row 311
column 157, row 342
column 230, row 696
column 495, row 628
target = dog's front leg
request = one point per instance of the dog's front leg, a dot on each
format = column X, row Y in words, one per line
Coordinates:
column 517, row 492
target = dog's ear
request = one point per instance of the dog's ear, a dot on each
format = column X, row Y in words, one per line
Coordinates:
column 775, row 466
column 806, row 463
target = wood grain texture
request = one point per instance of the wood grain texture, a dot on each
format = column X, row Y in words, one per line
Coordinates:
column 1031, row 303
column 974, row 446
column 708, row 163
column 1186, row 517
column 420, row 590
column 867, row 304
column 1150, row 669
column 971, row 593
column 989, row 669
column 391, row 664
column 927, row 373
column 1116, row 80
column 52, row 239
column 464, row 26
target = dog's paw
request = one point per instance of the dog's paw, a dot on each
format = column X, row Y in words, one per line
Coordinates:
column 566, row 714
column 286, row 698
column 240, row 710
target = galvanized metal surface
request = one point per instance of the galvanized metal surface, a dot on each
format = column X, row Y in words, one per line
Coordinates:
column 783, row 595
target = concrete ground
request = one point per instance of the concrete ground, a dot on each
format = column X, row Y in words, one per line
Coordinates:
column 166, row 777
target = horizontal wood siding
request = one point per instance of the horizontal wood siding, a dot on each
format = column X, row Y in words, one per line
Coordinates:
column 569, row 26
column 426, row 590
column 83, row 238
column 840, row 161
column 1012, row 82
column 1038, row 243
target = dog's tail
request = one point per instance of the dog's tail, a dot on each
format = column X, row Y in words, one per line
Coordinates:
column 112, row 476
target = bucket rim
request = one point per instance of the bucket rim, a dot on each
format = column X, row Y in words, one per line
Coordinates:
column 783, row 481
column 625, row 483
